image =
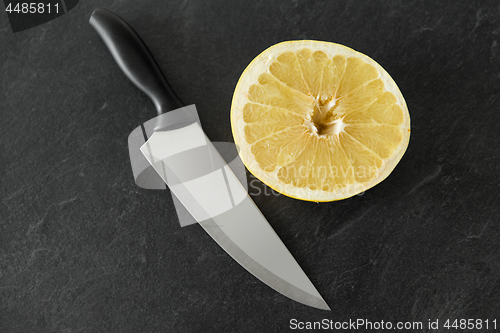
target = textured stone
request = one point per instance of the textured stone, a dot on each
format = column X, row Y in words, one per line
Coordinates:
column 82, row 249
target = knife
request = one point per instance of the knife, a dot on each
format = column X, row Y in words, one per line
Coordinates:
column 189, row 164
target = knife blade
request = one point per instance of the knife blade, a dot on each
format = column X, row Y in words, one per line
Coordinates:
column 186, row 160
column 213, row 195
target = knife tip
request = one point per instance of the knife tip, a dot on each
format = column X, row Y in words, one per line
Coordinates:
column 324, row 306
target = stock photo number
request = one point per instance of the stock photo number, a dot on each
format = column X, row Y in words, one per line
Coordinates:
column 25, row 15
column 32, row 8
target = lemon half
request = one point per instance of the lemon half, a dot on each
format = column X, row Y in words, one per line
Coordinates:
column 318, row 121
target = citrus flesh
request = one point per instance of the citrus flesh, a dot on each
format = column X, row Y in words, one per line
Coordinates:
column 318, row 121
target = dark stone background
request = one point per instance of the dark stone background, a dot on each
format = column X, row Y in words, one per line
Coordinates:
column 82, row 249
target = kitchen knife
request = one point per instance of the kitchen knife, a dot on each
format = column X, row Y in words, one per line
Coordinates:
column 189, row 164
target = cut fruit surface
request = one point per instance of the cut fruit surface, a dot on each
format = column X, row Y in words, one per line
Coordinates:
column 318, row 121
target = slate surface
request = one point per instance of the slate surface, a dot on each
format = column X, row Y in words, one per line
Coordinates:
column 82, row 249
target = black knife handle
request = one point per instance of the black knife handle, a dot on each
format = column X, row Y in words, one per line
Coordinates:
column 135, row 59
